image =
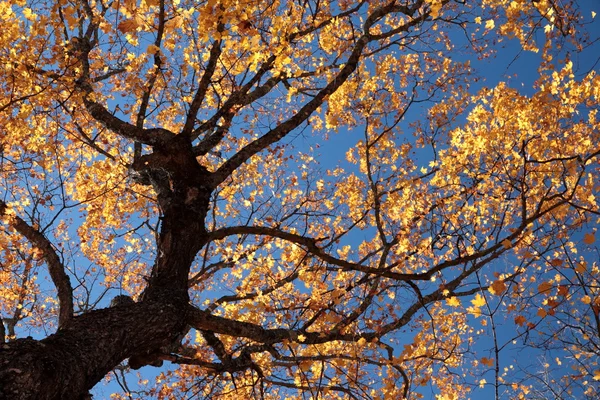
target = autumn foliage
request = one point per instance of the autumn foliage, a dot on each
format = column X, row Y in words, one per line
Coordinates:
column 298, row 199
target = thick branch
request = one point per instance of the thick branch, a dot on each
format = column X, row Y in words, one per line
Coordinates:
column 68, row 364
column 205, row 321
column 55, row 267
column 311, row 245
column 215, row 52
column 241, row 97
column 152, row 136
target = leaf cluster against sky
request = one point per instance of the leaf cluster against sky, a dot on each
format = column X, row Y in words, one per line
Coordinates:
column 457, row 210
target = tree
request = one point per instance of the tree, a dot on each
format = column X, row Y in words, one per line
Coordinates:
column 165, row 154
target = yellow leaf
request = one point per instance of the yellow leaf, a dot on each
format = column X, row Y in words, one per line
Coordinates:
column 362, row 341
column 475, row 311
column 453, row 301
column 305, row 365
column 30, row 15
column 557, row 262
column 478, row 301
column 152, row 49
column 175, row 23
column 489, row 24
column 586, row 299
column 436, row 6
column 593, row 14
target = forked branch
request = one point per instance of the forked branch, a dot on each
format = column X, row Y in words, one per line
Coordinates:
column 55, row 266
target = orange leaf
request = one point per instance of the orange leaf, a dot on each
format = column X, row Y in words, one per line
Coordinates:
column 542, row 313
column 487, row 361
column 497, row 288
column 557, row 262
column 127, row 25
column 589, row 238
column 563, row 290
column 544, row 287
column 581, row 267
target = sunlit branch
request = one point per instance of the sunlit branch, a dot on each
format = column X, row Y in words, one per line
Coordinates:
column 85, row 138
column 215, row 52
column 203, row 320
column 55, row 267
column 112, row 72
column 141, row 116
column 151, row 136
column 293, row 122
column 392, row 7
column 312, row 246
column 253, row 295
column 82, row 46
column 239, row 98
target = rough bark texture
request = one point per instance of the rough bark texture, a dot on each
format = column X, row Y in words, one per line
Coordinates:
column 68, row 364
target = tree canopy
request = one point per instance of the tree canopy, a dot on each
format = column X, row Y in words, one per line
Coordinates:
column 299, row 199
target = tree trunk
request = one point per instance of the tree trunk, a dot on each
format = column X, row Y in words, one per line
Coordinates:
column 69, row 363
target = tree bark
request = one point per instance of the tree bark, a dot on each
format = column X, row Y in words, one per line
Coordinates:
column 69, row 363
